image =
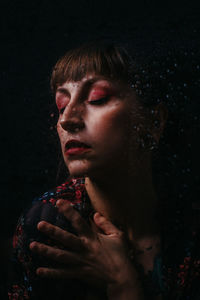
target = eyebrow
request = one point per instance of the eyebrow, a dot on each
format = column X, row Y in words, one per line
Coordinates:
column 86, row 84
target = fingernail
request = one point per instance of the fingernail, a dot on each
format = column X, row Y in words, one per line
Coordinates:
column 41, row 225
column 39, row 272
column 33, row 245
column 97, row 215
column 60, row 202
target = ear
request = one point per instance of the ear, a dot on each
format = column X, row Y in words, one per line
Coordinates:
column 160, row 114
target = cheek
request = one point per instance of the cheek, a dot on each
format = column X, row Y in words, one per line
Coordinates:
column 60, row 133
column 110, row 125
column 58, row 127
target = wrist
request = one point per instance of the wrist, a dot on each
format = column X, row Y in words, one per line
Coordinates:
column 127, row 290
column 127, row 286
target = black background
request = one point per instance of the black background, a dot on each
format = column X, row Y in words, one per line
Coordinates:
column 34, row 35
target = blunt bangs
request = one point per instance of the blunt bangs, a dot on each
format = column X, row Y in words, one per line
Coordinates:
column 93, row 58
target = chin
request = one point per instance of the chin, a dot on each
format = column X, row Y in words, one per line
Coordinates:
column 78, row 168
column 83, row 168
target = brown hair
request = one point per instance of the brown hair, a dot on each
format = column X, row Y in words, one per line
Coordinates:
column 101, row 58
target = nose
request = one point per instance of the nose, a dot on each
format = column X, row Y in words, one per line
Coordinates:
column 72, row 118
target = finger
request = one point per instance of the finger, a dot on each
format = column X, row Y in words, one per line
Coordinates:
column 67, row 239
column 58, row 255
column 94, row 227
column 60, row 273
column 106, row 226
column 78, row 223
column 53, row 273
column 85, row 274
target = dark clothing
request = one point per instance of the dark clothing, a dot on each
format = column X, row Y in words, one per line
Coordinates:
column 176, row 273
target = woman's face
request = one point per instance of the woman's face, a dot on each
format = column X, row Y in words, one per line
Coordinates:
column 95, row 123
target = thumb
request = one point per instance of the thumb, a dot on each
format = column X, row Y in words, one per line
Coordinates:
column 105, row 225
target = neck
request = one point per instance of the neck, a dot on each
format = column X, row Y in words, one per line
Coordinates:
column 127, row 201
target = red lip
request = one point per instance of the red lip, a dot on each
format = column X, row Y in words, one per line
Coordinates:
column 75, row 147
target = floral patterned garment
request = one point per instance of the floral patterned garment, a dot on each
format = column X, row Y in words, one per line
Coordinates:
column 176, row 273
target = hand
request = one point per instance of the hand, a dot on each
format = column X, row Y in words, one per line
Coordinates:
column 97, row 254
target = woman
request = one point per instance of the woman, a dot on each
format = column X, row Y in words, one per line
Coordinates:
column 99, row 235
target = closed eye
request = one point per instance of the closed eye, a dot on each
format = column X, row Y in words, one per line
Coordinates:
column 99, row 101
column 61, row 110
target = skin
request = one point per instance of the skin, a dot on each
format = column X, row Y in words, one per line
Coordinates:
column 103, row 126
column 100, row 259
column 100, row 252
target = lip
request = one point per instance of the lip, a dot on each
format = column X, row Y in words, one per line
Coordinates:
column 76, row 147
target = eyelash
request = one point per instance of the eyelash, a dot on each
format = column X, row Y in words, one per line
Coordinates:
column 99, row 101
column 61, row 111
